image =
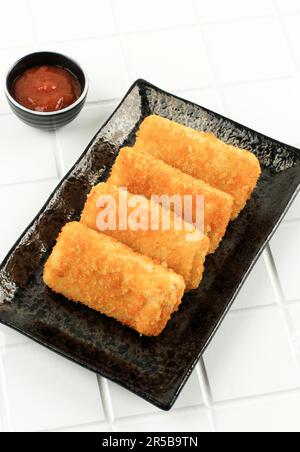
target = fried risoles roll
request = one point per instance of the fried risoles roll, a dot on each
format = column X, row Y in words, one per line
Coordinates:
column 141, row 174
column 170, row 247
column 106, row 275
column 202, row 156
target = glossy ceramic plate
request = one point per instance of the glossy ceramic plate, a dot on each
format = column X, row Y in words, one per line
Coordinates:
column 154, row 368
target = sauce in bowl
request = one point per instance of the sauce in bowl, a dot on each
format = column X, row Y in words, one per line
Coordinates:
column 46, row 88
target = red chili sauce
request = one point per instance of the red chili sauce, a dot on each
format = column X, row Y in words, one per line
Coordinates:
column 46, row 88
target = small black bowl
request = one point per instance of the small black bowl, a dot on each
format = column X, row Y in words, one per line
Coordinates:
column 46, row 120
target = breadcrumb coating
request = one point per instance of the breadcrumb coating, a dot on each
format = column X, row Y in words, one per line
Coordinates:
column 106, row 275
column 170, row 247
column 142, row 174
column 202, row 156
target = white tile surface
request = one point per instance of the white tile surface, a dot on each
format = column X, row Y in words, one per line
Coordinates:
column 174, row 59
column 103, row 62
column 176, row 421
column 250, row 355
column 285, row 247
column 263, row 107
column 294, row 212
column 57, row 391
column 15, row 24
column 214, row 10
column 94, row 18
column 246, row 51
column 118, row 41
column 10, row 337
column 4, row 427
column 20, row 204
column 294, row 319
column 258, row 290
column 125, row 404
column 294, row 313
column 20, row 146
column 87, row 428
column 207, row 98
column 75, row 137
column 140, row 15
column 288, row 6
column 291, row 24
column 281, row 414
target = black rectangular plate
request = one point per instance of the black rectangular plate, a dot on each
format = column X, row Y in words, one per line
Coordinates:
column 154, row 368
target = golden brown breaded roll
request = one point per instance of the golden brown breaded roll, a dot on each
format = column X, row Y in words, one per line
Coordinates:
column 106, row 275
column 170, row 247
column 202, row 156
column 141, row 174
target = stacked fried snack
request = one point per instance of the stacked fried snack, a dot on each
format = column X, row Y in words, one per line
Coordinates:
column 139, row 276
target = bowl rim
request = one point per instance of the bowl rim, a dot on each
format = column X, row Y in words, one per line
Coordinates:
column 46, row 113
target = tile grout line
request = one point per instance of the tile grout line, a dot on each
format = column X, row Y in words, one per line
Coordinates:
column 27, row 182
column 252, row 309
column 17, row 345
column 120, row 40
column 275, row 281
column 244, row 401
column 58, row 157
column 73, row 426
column 232, row 20
column 103, row 102
column 278, row 17
column 6, row 114
column 106, row 401
column 76, row 40
column 206, row 392
column 213, row 69
column 223, row 85
column 245, row 82
column 273, row 274
column 291, row 220
column 288, row 13
column 256, row 81
column 154, row 415
column 291, row 303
